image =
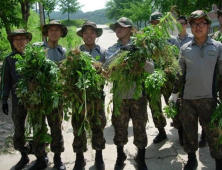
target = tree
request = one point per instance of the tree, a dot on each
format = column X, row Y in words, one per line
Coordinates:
column 9, row 16
column 185, row 7
column 137, row 10
column 114, row 8
column 69, row 6
column 49, row 6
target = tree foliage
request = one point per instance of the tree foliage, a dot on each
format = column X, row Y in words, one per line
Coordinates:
column 185, row 7
column 9, row 15
column 137, row 10
column 140, row 10
column 49, row 6
column 69, row 6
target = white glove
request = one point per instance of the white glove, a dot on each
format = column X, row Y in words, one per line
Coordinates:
column 173, row 98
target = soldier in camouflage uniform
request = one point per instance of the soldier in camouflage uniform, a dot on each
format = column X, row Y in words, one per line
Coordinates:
column 183, row 37
column 158, row 116
column 130, row 108
column 198, row 60
column 55, row 52
column 9, row 79
column 89, row 32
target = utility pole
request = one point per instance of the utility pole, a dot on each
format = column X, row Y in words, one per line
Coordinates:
column 42, row 18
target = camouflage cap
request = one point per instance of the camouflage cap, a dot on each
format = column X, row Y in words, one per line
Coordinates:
column 155, row 16
column 123, row 21
column 199, row 14
column 99, row 31
column 19, row 32
column 53, row 23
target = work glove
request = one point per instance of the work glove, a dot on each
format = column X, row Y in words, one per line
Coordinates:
column 5, row 108
column 173, row 98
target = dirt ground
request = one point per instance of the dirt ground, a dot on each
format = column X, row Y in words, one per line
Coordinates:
column 6, row 131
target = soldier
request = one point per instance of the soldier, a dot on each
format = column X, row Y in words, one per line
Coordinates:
column 130, row 108
column 54, row 31
column 198, row 60
column 9, row 79
column 160, row 120
column 89, row 32
column 184, row 37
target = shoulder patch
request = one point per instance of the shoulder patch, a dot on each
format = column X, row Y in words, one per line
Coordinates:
column 211, row 53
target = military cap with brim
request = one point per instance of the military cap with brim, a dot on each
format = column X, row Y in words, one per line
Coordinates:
column 54, row 23
column 99, row 31
column 19, row 32
column 155, row 16
column 199, row 14
column 123, row 21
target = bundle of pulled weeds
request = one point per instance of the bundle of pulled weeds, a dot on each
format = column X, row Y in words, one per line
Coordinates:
column 216, row 122
column 126, row 67
column 37, row 88
column 82, row 81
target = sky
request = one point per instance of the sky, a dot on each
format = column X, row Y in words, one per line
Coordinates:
column 92, row 5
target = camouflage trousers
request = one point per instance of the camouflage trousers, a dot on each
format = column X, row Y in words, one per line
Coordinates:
column 19, row 114
column 97, row 123
column 191, row 111
column 55, row 123
column 137, row 111
column 156, row 107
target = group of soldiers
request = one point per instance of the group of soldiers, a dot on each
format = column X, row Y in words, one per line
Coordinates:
column 200, row 60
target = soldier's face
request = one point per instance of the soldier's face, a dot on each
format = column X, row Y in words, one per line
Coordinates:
column 54, row 33
column 19, row 42
column 183, row 24
column 89, row 36
column 123, row 32
column 199, row 27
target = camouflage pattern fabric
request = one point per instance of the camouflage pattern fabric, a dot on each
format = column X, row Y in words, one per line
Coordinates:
column 157, row 114
column 97, row 124
column 55, row 123
column 159, row 119
column 199, row 14
column 191, row 111
column 137, row 111
column 19, row 114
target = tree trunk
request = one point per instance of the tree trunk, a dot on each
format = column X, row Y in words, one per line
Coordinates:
column 25, row 9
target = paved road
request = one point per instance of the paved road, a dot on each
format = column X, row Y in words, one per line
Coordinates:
column 167, row 155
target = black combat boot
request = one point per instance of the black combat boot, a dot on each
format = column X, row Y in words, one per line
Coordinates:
column 99, row 163
column 80, row 161
column 40, row 163
column 218, row 164
column 121, row 157
column 180, row 133
column 140, row 159
column 161, row 136
column 58, row 164
column 202, row 142
column 192, row 162
column 23, row 161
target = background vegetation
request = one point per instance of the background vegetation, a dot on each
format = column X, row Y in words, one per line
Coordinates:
column 18, row 14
